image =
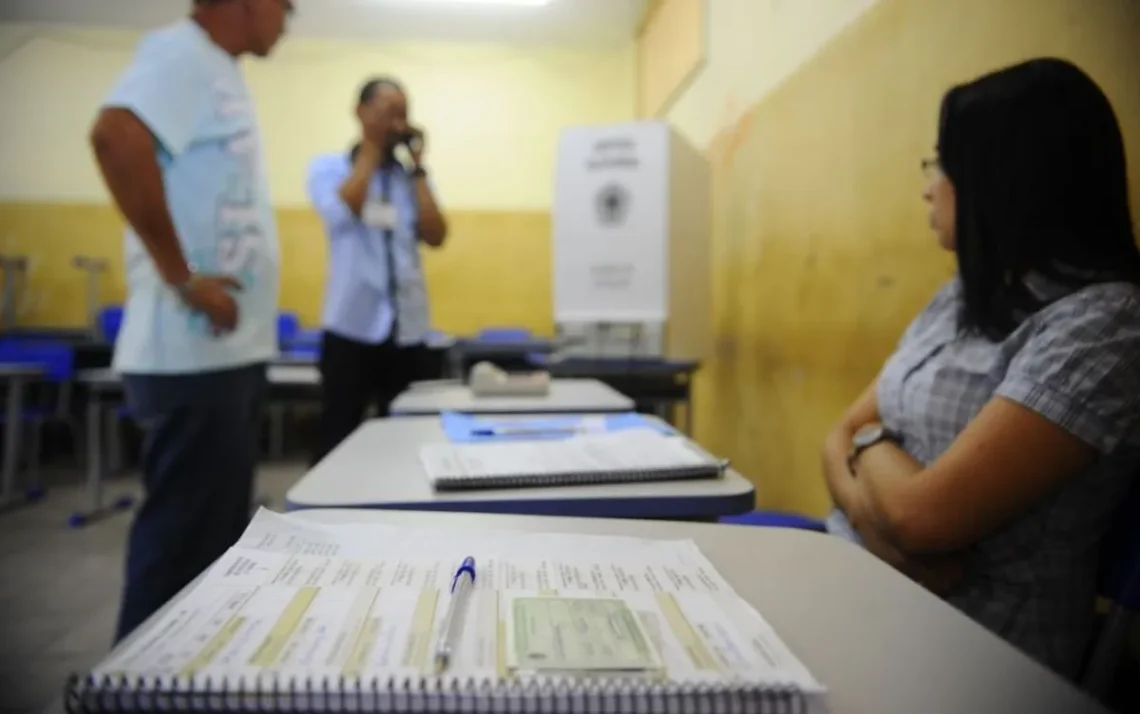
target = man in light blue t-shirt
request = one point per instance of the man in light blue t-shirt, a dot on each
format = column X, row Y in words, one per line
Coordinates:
column 179, row 150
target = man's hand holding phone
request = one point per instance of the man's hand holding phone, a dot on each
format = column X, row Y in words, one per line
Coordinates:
column 415, row 141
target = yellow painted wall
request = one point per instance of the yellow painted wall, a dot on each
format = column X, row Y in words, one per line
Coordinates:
column 751, row 46
column 821, row 252
column 493, row 114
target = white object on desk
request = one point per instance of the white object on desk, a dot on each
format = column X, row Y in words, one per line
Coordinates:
column 569, row 396
column 488, row 380
column 378, row 466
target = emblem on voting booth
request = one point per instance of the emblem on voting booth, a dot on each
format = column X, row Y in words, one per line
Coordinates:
column 612, row 204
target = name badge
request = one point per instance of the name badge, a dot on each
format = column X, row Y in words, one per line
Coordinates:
column 378, row 214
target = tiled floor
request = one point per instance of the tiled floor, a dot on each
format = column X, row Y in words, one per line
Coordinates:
column 59, row 587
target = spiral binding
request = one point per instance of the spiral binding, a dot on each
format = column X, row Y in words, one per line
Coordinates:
column 91, row 695
column 580, row 478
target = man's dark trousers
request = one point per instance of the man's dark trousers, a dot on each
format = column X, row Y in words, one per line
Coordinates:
column 355, row 375
column 199, row 454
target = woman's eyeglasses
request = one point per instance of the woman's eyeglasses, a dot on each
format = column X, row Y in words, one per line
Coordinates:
column 931, row 167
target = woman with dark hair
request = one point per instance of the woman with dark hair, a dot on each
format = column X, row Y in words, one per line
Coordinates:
column 986, row 459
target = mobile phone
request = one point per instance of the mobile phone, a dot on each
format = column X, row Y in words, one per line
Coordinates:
column 410, row 137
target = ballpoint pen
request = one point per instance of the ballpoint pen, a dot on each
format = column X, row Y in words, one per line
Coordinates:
column 584, row 425
column 452, row 626
column 527, row 430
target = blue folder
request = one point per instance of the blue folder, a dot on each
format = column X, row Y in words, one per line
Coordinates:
column 465, row 428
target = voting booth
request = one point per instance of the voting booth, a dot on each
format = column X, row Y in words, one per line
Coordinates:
column 631, row 234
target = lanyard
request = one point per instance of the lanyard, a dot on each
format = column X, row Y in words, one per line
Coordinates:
column 389, row 237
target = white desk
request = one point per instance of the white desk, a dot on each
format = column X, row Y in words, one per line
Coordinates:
column 567, row 396
column 284, row 375
column 378, row 466
column 15, row 376
column 293, row 375
column 880, row 643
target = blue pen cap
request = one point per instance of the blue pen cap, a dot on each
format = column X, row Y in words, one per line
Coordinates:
column 467, row 566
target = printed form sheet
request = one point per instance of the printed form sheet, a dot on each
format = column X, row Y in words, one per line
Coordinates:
column 296, row 599
column 617, row 452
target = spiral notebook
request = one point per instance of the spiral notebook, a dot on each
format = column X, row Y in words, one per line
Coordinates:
column 628, row 456
column 299, row 617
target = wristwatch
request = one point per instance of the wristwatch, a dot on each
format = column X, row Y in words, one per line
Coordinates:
column 867, row 437
column 182, row 289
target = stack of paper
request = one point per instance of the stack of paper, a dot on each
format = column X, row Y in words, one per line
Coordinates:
column 295, row 601
column 592, row 458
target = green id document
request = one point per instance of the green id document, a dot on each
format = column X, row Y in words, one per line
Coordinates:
column 567, row 634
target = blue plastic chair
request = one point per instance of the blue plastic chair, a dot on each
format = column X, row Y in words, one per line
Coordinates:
column 58, row 362
column 1118, row 580
column 110, row 322
column 288, row 329
column 504, row 334
column 776, row 519
column 303, row 351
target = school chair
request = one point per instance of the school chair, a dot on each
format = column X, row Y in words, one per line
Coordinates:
column 51, row 405
column 288, row 329
column 502, row 346
column 503, row 334
column 295, row 344
column 1118, row 581
column 110, row 321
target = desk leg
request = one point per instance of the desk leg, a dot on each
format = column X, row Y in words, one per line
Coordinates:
column 11, row 442
column 96, row 469
column 276, row 430
column 689, row 409
column 114, row 439
column 455, row 363
column 94, row 453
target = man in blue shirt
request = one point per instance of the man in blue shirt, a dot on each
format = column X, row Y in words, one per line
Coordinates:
column 178, row 147
column 376, row 212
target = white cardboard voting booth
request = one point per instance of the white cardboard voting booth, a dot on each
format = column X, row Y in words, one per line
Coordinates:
column 631, row 232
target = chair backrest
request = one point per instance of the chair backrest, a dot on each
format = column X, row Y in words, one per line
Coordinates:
column 57, row 359
column 110, row 322
column 504, row 334
column 1118, row 578
column 288, row 328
